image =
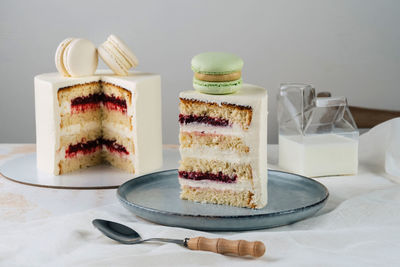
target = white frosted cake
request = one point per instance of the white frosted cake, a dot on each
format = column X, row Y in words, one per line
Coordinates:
column 85, row 121
column 223, row 147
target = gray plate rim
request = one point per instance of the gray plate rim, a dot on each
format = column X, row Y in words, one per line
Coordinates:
column 146, row 176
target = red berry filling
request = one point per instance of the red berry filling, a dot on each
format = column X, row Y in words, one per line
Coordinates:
column 89, row 99
column 93, row 101
column 114, row 103
column 84, row 103
column 83, row 147
column 113, row 146
column 185, row 119
column 197, row 176
column 87, row 147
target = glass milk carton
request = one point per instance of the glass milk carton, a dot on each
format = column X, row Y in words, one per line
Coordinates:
column 317, row 135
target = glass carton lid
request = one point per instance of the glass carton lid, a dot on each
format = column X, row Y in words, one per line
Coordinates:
column 301, row 112
column 331, row 101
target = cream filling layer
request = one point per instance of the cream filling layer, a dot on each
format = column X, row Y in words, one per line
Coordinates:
column 210, row 129
column 238, row 187
column 78, row 128
column 210, row 153
column 89, row 126
column 118, row 128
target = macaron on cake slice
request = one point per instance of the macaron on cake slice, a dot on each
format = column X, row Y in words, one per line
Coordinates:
column 117, row 55
column 76, row 57
column 217, row 73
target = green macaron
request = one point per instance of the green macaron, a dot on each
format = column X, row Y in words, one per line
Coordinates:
column 217, row 73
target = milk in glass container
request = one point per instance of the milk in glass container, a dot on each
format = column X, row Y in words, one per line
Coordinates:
column 317, row 135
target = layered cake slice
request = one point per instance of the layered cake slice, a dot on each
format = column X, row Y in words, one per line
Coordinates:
column 223, row 147
column 81, row 122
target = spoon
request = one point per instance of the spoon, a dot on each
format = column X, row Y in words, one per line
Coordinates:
column 126, row 235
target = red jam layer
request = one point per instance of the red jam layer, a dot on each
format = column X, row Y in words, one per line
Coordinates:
column 93, row 101
column 83, row 148
column 89, row 99
column 185, row 119
column 114, row 103
column 113, row 146
column 197, row 176
column 94, row 145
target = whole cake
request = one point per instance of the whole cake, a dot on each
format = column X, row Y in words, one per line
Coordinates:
column 223, row 142
column 102, row 117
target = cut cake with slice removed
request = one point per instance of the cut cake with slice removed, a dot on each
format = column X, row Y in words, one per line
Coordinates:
column 81, row 122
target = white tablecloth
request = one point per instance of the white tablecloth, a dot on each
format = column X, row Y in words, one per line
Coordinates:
column 359, row 226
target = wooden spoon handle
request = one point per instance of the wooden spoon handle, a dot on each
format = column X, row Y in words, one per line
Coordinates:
column 224, row 246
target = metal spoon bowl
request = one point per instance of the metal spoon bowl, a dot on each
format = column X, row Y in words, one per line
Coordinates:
column 127, row 235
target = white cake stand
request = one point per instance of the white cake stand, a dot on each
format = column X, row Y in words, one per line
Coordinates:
column 22, row 169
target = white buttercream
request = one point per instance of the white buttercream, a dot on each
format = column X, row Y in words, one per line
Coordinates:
column 210, row 153
column 238, row 187
column 77, row 128
column 145, row 109
column 235, row 129
column 118, row 128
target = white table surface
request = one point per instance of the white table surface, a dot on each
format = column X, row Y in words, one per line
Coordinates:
column 360, row 225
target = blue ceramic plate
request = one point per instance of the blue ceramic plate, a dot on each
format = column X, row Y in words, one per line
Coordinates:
column 155, row 197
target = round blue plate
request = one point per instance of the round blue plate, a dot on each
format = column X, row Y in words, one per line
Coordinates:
column 155, row 197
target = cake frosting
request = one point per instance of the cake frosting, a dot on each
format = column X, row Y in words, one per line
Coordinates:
column 84, row 121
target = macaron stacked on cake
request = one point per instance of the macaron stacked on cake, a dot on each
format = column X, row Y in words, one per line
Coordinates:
column 117, row 55
column 76, row 57
column 217, row 73
column 223, row 135
column 85, row 118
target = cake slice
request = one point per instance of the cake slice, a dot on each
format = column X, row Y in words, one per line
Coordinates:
column 223, row 147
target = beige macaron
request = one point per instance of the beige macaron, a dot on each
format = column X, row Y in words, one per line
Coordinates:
column 117, row 55
column 76, row 57
column 59, row 57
